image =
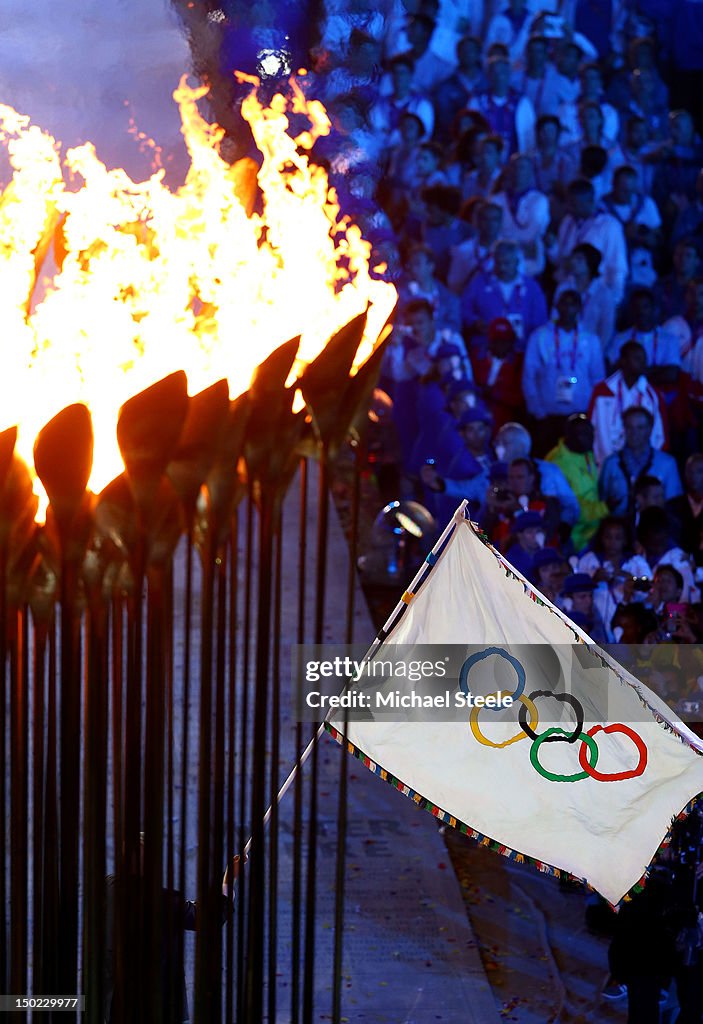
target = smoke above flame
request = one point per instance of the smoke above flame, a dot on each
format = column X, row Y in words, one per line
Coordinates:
column 107, row 285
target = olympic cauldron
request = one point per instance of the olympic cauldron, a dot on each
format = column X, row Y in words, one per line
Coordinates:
column 171, row 358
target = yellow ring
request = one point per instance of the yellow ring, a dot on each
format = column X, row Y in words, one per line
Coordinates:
column 473, row 721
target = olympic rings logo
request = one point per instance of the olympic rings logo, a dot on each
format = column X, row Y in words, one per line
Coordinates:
column 528, row 718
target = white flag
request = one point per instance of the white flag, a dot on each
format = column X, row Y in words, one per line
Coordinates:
column 583, row 772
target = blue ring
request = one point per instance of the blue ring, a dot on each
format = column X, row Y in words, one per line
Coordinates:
column 481, row 656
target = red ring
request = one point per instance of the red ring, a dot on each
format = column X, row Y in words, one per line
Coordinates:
column 616, row 776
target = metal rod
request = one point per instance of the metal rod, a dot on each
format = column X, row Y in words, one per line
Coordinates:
column 18, row 808
column 232, row 737
column 311, row 877
column 257, row 873
column 38, row 728
column 275, row 753
column 298, row 800
column 244, row 744
column 185, row 719
column 204, row 1010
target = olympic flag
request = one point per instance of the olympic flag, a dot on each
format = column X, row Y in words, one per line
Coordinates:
column 583, row 772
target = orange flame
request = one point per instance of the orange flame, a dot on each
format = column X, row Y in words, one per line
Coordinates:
column 145, row 281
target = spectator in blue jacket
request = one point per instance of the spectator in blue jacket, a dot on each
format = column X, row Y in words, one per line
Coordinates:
column 621, row 470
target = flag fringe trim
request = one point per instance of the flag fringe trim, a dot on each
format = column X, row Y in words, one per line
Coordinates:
column 487, row 841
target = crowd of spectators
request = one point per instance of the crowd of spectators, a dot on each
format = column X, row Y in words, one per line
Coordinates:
column 536, row 195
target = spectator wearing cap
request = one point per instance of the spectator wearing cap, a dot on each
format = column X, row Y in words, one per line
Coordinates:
column 527, row 536
column 420, row 283
column 509, row 115
column 525, row 212
column 563, row 363
column 498, row 373
column 574, row 456
column 455, row 92
column 476, row 253
column 627, row 388
column 597, row 303
column 549, row 570
column 583, row 223
column 621, row 470
column 468, row 473
column 513, row 441
column 577, row 595
column 504, row 292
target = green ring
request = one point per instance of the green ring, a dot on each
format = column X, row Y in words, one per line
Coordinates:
column 578, row 776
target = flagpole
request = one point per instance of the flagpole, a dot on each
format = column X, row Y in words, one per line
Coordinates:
column 377, row 641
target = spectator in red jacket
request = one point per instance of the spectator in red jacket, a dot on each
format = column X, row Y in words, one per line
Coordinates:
column 498, row 373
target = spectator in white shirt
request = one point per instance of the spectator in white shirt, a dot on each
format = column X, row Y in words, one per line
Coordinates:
column 592, row 133
column 554, row 167
column 584, row 223
column 533, row 81
column 562, row 365
column 400, row 98
column 511, row 28
column 627, row 388
column 525, row 212
column 430, row 68
column 660, row 346
column 688, row 329
column 509, row 115
column 597, row 304
column 591, row 92
column 638, row 214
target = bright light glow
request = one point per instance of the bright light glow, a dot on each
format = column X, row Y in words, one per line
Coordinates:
column 138, row 281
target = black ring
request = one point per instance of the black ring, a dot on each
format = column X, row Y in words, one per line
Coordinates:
column 565, row 698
